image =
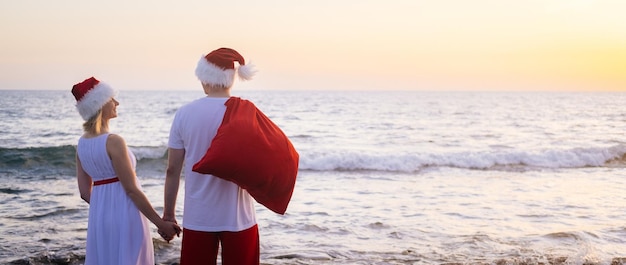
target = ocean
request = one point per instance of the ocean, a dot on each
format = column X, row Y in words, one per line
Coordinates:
column 386, row 177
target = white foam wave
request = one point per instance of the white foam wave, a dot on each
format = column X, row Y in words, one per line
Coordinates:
column 148, row 152
column 341, row 160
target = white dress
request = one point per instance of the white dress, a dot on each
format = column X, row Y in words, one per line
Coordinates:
column 117, row 232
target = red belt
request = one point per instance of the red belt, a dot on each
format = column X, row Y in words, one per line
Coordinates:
column 105, row 181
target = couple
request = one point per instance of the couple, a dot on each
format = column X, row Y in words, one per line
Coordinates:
column 216, row 211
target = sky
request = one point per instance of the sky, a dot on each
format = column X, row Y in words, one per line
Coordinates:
column 484, row 45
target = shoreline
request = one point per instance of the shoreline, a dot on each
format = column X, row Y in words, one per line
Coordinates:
column 295, row 259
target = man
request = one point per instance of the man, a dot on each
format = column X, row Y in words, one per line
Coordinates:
column 217, row 212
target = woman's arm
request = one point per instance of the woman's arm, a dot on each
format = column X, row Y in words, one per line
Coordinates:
column 117, row 150
column 84, row 181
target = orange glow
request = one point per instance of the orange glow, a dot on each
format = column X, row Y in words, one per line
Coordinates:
column 410, row 44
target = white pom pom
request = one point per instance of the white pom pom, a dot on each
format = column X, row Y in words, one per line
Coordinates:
column 246, row 72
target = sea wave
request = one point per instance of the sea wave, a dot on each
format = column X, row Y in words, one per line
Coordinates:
column 58, row 159
column 61, row 159
column 510, row 160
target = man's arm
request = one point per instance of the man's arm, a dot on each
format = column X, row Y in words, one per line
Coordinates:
column 175, row 159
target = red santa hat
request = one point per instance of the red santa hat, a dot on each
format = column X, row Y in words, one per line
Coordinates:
column 91, row 95
column 218, row 67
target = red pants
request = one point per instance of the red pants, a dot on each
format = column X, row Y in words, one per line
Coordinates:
column 238, row 248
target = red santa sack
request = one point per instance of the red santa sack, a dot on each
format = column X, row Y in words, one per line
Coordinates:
column 251, row 151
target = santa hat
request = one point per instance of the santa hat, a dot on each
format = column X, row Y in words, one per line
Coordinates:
column 218, row 67
column 91, row 95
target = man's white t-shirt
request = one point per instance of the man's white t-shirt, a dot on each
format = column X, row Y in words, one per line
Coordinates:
column 211, row 203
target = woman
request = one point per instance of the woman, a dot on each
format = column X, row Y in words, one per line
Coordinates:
column 117, row 232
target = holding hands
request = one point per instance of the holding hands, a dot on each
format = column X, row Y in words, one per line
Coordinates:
column 168, row 229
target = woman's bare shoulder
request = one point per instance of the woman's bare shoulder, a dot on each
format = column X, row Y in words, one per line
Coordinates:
column 115, row 141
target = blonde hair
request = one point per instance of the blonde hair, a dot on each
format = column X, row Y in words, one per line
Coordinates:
column 94, row 124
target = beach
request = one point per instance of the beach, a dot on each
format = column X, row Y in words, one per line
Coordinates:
column 385, row 177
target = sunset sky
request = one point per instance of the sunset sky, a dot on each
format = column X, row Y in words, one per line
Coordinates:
column 556, row 45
